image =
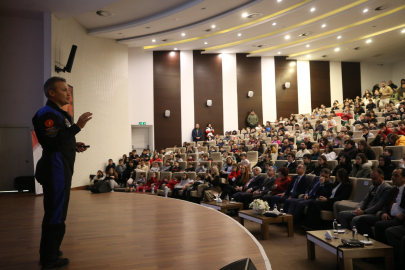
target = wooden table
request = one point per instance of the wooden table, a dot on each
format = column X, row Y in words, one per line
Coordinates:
column 265, row 221
column 223, row 206
column 347, row 255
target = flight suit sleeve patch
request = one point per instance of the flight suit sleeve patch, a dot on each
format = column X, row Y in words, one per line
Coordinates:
column 49, row 123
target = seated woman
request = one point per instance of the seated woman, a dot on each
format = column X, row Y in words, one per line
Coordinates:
column 280, row 185
column 259, row 147
column 329, row 154
column 227, row 168
column 185, row 180
column 111, row 177
column 366, row 150
column 344, row 163
column 323, row 142
column 187, row 192
column 212, row 179
column 235, row 184
column 378, row 141
column 155, row 167
column 358, row 110
column 315, row 152
column 155, row 158
column 362, row 167
column 190, row 150
column 386, row 166
column 172, row 184
column 99, row 177
column 322, row 164
column 152, row 182
column 342, row 189
column 276, row 140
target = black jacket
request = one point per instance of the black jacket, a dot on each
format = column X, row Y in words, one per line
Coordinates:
column 370, row 155
column 318, row 169
column 390, row 195
column 255, row 184
column 314, row 191
column 299, row 189
column 310, row 167
column 292, row 168
column 388, row 167
column 267, row 185
column 342, row 193
column 352, row 152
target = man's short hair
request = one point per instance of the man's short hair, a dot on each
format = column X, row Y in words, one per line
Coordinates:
column 326, row 170
column 50, row 84
column 368, row 114
column 308, row 156
column 401, row 123
column 350, row 141
column 389, row 151
column 402, row 172
column 258, row 168
column 381, row 125
column 292, row 155
column 379, row 171
column 365, row 128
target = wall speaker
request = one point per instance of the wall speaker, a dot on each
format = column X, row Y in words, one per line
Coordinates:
column 209, row 103
column 167, row 113
column 250, row 94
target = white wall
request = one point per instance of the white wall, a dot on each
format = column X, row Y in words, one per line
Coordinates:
column 336, row 87
column 371, row 73
column 21, row 69
column 187, row 95
column 398, row 72
column 269, row 103
column 100, row 85
column 304, row 87
column 229, row 91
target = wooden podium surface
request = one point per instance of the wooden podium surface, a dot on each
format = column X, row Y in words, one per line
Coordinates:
column 127, row 231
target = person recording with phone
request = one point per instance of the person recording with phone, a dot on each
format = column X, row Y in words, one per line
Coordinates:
column 56, row 133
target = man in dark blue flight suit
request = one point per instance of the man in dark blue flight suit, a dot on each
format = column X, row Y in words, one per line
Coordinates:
column 56, row 134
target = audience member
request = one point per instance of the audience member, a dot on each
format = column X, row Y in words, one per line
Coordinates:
column 262, row 190
column 254, row 183
column 362, row 167
column 236, row 184
column 111, row 178
column 386, row 166
column 291, row 164
column 176, row 180
column 100, row 176
column 197, row 133
column 322, row 164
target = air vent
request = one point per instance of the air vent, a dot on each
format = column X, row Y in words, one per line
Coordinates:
column 324, row 56
column 383, row 7
column 377, row 55
column 253, row 15
column 306, row 34
column 261, row 45
column 207, row 30
column 357, row 48
column 167, row 39
column 104, row 13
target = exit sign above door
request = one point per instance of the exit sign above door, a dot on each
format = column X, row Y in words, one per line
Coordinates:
column 142, row 123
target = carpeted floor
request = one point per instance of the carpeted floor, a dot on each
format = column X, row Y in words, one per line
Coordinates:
column 290, row 253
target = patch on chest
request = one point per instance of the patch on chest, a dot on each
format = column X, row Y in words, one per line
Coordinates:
column 67, row 123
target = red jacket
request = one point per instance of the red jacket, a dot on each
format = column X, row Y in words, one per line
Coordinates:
column 282, row 185
column 153, row 160
column 151, row 181
column 172, row 183
column 161, row 182
column 234, row 174
column 400, row 132
column 387, row 131
column 346, row 117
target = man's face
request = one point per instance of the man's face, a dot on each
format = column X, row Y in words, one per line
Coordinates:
column 397, row 179
column 61, row 94
column 389, row 82
column 383, row 84
column 287, row 151
column 285, row 142
column 270, row 172
column 365, row 131
column 256, row 172
column 306, row 139
column 325, row 175
column 401, row 126
column 306, row 160
column 110, row 162
column 121, row 162
column 197, row 126
column 300, row 169
column 348, row 145
column 382, row 129
column 303, row 146
column 290, row 158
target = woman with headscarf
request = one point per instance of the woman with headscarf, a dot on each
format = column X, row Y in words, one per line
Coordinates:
column 386, row 166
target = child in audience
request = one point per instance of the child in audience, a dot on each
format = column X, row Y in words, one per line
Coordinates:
column 276, row 140
column 160, row 183
column 201, row 168
column 155, row 158
column 155, row 167
column 187, row 192
column 234, row 148
column 111, row 164
column 190, row 150
column 141, row 179
column 172, row 184
column 199, row 150
column 221, row 150
column 167, row 167
column 220, row 143
column 178, row 158
column 329, row 135
column 142, row 167
column 190, row 158
column 176, row 167
column 310, row 166
column 111, row 178
column 99, row 177
column 182, row 185
column 119, row 169
column 212, row 149
column 150, row 184
column 190, row 167
column 373, row 126
column 388, row 152
column 244, row 161
column 337, row 142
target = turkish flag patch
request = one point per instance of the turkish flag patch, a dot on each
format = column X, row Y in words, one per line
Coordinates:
column 49, row 123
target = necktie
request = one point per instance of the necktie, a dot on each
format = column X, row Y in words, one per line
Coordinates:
column 247, row 184
column 295, row 184
column 394, row 198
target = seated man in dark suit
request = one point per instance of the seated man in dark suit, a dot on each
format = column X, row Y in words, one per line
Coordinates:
column 396, row 238
column 254, row 183
column 372, row 202
column 298, row 185
column 291, row 164
column 341, row 191
column 392, row 213
column 264, row 188
column 320, row 186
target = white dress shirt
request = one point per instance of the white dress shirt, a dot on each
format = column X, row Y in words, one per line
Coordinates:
column 396, row 208
column 334, row 191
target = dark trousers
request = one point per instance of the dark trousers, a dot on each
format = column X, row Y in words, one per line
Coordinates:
column 56, row 202
column 365, row 222
column 296, row 207
column 175, row 192
column 227, row 190
column 382, row 226
column 187, row 193
column 396, row 238
column 276, row 200
column 313, row 216
column 238, row 196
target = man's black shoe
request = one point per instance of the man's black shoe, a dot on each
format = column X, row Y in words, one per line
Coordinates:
column 60, row 254
column 56, row 265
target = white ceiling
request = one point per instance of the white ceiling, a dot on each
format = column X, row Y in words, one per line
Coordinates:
column 137, row 22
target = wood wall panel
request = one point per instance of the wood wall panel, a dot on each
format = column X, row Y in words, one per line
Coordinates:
column 320, row 83
column 287, row 99
column 166, row 96
column 351, row 79
column 208, row 86
column 249, row 78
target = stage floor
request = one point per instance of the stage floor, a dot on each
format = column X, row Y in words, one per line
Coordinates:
column 127, row 231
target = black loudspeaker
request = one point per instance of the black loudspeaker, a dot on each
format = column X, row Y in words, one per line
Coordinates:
column 101, row 187
column 244, row 264
column 72, row 54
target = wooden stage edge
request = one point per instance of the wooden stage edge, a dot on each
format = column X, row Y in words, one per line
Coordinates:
column 118, row 230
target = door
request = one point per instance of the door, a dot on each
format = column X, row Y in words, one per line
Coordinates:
column 140, row 139
column 15, row 156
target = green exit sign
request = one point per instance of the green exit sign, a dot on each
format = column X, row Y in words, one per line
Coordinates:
column 142, row 123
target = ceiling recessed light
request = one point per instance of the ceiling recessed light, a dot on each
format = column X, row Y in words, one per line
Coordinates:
column 308, row 56
column 274, row 23
column 307, row 46
column 213, row 26
column 244, row 15
column 323, row 25
column 365, row 10
column 287, row 37
column 279, row 0
column 279, row 53
column 339, row 37
column 337, row 49
column 205, row 42
column 312, row 9
column 153, row 40
column 368, row 40
column 104, row 13
column 175, row 49
column 239, row 34
column 183, row 34
column 403, row 31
